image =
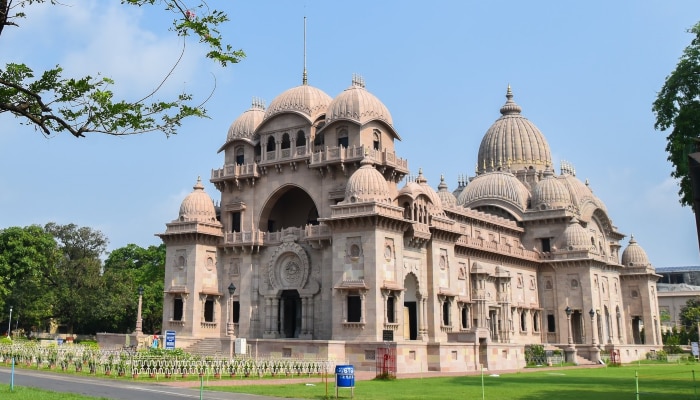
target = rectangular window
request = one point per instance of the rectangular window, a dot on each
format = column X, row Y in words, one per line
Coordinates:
column 354, row 308
column 551, row 327
column 465, row 318
column 446, row 313
column 236, row 312
column 236, row 221
column 209, row 310
column 177, row 309
column 390, row 313
column 546, row 247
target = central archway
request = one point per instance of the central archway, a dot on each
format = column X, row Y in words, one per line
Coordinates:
column 290, row 206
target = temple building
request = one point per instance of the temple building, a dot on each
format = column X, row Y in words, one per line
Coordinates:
column 322, row 245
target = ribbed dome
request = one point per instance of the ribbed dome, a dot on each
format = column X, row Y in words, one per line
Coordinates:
column 358, row 105
column 550, row 193
column 367, row 184
column 197, row 206
column 575, row 237
column 580, row 193
column 634, row 255
column 427, row 190
column 495, row 185
column 513, row 142
column 448, row 199
column 244, row 126
column 306, row 100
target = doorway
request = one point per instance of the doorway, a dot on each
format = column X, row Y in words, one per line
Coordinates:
column 290, row 314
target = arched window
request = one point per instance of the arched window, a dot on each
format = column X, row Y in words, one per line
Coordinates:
column 301, row 139
column 523, row 321
column 270, row 143
column 376, row 144
column 240, row 159
column 285, row 141
column 536, row 321
column 257, row 150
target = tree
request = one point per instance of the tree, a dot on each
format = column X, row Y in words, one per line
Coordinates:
column 690, row 316
column 53, row 104
column 129, row 268
column 76, row 279
column 27, row 257
column 677, row 106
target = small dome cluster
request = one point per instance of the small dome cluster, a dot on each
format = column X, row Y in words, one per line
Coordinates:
column 419, row 187
column 197, row 206
column 550, row 193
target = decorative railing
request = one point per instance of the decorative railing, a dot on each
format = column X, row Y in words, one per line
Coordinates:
column 476, row 243
column 78, row 359
column 235, row 171
column 208, row 325
column 356, row 153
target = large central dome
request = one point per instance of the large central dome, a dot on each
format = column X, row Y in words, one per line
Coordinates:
column 513, row 142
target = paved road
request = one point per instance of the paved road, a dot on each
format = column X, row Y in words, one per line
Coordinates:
column 114, row 388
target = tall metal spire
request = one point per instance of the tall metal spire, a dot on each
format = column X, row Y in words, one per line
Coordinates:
column 303, row 79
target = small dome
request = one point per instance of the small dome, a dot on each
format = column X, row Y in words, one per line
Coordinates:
column 427, row 190
column 448, row 199
column 495, row 185
column 634, row 255
column 575, row 237
column 305, row 100
column 513, row 142
column 550, row 193
column 198, row 206
column 358, row 105
column 367, row 184
column 580, row 192
column 245, row 125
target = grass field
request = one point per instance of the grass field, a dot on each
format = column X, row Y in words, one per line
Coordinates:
column 656, row 382
column 25, row 393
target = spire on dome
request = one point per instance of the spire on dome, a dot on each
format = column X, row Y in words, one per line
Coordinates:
column 304, row 76
column 443, row 184
column 420, row 178
column 510, row 107
column 358, row 80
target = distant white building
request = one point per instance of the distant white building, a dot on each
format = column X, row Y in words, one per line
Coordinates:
column 676, row 286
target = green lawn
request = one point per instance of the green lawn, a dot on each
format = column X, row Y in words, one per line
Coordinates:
column 656, row 382
column 26, row 393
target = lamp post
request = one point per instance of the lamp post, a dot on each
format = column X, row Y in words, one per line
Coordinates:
column 229, row 325
column 594, row 334
column 139, row 320
column 568, row 311
column 9, row 325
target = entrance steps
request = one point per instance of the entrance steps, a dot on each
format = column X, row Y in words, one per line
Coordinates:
column 205, row 347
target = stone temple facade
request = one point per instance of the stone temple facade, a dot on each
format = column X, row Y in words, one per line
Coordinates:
column 334, row 251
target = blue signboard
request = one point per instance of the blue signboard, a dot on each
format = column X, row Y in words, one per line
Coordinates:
column 345, row 376
column 169, row 340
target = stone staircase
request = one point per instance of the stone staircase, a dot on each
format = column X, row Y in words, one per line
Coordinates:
column 205, row 347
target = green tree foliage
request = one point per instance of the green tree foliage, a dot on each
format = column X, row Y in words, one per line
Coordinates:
column 677, row 106
column 76, row 279
column 690, row 316
column 53, row 103
column 129, row 268
column 27, row 258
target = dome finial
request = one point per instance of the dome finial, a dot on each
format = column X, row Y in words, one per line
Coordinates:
column 510, row 107
column 198, row 185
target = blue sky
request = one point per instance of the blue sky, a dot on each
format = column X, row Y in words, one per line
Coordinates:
column 585, row 73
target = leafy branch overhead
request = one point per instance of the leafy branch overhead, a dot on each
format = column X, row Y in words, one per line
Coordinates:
column 677, row 107
column 53, row 103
